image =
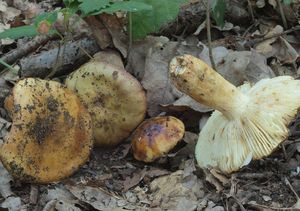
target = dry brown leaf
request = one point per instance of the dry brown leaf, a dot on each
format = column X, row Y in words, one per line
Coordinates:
column 265, row 47
column 241, row 66
column 156, row 78
column 96, row 197
column 134, row 180
column 5, row 179
column 166, row 192
column 285, row 52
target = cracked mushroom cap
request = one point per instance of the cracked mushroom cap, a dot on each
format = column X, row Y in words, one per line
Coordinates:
column 156, row 137
column 249, row 122
column 114, row 98
column 51, row 133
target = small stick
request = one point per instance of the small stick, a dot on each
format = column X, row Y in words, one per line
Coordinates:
column 251, row 43
column 12, row 56
column 34, row 194
column 291, row 187
column 209, row 35
column 251, row 10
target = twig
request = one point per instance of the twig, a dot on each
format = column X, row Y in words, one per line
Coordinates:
column 253, row 175
column 291, row 187
column 253, row 42
column 269, row 207
column 58, row 61
column 250, row 10
column 284, row 151
column 283, row 18
column 30, row 46
column 209, row 35
column 130, row 31
column 34, row 194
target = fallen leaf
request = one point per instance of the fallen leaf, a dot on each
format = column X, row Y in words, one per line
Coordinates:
column 12, row 203
column 265, row 47
column 134, row 180
column 285, row 52
column 5, row 180
column 96, row 197
column 186, row 101
column 241, row 66
column 156, row 78
column 167, row 191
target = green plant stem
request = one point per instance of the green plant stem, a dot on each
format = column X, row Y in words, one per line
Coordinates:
column 7, row 65
column 283, row 18
column 209, row 35
column 130, row 30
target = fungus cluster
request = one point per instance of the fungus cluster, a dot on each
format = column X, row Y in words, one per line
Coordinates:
column 249, row 122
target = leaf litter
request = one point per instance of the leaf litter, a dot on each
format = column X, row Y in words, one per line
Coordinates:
column 113, row 180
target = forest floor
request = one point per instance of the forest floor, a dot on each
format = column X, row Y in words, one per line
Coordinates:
column 260, row 40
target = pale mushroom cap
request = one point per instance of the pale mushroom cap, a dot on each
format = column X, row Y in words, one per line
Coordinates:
column 51, row 134
column 231, row 144
column 114, row 98
column 156, row 137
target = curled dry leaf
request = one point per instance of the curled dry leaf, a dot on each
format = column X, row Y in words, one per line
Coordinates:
column 51, row 133
column 241, row 66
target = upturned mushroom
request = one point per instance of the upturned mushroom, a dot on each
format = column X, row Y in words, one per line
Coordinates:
column 51, row 134
column 114, row 98
column 155, row 137
column 249, row 122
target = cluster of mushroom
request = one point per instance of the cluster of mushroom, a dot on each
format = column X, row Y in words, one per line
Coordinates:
column 55, row 126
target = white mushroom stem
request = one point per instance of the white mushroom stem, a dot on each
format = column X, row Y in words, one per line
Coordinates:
column 196, row 79
column 250, row 122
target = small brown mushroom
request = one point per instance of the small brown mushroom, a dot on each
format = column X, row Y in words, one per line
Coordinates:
column 51, row 133
column 114, row 98
column 156, row 137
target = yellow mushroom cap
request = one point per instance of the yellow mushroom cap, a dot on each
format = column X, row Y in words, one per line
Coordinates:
column 114, row 98
column 51, row 133
column 249, row 122
column 156, row 137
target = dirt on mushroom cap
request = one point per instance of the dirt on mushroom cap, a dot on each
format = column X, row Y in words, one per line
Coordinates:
column 114, row 98
column 51, row 134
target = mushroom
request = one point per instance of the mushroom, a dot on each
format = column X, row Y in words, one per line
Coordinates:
column 156, row 137
column 249, row 122
column 114, row 98
column 51, row 134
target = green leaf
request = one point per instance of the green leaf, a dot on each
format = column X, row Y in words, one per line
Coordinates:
column 218, row 11
column 50, row 17
column 18, row 32
column 89, row 6
column 286, row 2
column 126, row 6
column 146, row 22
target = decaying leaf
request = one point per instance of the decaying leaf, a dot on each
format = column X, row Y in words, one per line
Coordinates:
column 5, row 180
column 156, row 78
column 96, row 197
column 241, row 66
column 171, row 191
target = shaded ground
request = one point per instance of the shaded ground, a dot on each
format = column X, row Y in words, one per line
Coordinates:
column 254, row 44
